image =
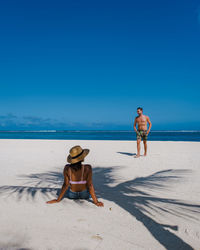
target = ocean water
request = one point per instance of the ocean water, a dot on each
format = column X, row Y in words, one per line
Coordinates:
column 101, row 135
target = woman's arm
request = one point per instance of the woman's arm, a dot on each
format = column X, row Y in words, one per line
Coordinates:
column 91, row 189
column 63, row 189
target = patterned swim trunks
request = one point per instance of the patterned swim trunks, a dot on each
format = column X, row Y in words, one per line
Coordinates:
column 142, row 134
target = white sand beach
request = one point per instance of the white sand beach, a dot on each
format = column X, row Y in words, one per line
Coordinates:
column 149, row 203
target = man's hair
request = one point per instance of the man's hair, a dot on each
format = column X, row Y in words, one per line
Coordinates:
column 140, row 108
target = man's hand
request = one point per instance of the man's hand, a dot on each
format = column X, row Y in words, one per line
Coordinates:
column 52, row 201
column 134, row 125
column 99, row 204
column 150, row 125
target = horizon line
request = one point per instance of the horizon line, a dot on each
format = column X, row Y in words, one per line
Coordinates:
column 89, row 130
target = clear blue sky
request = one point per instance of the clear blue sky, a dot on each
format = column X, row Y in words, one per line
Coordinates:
column 90, row 64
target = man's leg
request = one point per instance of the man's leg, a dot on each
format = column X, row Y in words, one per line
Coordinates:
column 138, row 148
column 145, row 147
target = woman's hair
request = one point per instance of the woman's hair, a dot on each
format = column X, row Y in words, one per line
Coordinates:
column 76, row 166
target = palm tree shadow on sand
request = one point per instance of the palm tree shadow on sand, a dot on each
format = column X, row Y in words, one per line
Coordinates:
column 129, row 195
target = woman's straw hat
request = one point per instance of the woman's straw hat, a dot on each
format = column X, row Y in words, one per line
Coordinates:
column 77, row 154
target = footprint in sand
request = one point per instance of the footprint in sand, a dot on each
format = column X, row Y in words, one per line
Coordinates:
column 97, row 237
column 80, row 220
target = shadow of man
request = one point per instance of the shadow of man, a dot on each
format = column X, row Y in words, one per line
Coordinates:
column 126, row 153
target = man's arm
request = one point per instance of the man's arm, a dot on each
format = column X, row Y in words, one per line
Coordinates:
column 134, row 126
column 150, row 125
column 63, row 189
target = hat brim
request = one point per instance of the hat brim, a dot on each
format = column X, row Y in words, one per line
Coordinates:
column 80, row 158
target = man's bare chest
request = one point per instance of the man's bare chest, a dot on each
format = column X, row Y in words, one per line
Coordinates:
column 142, row 120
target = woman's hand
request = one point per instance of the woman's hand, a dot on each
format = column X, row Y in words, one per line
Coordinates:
column 99, row 204
column 52, row 201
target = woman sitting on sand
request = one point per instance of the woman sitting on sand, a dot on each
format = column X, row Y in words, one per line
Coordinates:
column 79, row 177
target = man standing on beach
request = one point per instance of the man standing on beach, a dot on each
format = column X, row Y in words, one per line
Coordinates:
column 142, row 132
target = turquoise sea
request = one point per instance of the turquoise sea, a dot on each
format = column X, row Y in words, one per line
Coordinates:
column 101, row 135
